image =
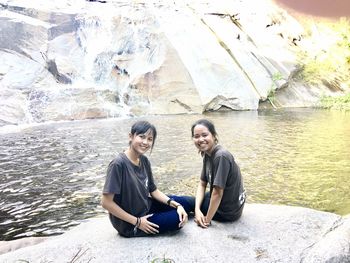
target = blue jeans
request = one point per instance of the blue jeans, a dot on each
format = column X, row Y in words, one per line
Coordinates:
column 166, row 217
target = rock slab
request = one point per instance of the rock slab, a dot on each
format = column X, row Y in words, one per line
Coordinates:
column 265, row 233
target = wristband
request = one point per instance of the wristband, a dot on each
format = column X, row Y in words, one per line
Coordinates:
column 169, row 201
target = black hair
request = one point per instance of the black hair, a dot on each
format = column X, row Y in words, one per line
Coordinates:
column 210, row 126
column 142, row 127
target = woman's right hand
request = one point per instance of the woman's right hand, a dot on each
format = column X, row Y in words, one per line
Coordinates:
column 147, row 226
column 200, row 219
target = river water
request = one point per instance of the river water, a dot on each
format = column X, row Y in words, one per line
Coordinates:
column 52, row 174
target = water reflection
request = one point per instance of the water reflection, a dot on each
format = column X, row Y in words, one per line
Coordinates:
column 52, row 175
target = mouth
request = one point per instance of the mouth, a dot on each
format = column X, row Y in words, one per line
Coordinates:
column 143, row 147
column 201, row 145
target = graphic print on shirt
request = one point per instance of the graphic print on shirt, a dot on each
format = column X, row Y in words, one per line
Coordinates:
column 145, row 182
column 242, row 198
column 208, row 172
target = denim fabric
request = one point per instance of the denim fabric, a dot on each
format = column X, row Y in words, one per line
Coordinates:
column 166, row 217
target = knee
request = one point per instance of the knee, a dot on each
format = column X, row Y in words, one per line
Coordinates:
column 188, row 202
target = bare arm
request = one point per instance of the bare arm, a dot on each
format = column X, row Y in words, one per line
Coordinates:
column 200, row 218
column 108, row 204
column 145, row 225
column 200, row 194
column 160, row 196
column 215, row 200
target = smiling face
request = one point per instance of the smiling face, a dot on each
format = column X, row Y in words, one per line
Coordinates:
column 203, row 139
column 141, row 143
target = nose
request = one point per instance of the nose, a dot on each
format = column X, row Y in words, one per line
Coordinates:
column 145, row 141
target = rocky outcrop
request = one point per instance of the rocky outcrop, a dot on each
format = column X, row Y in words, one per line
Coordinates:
column 264, row 233
column 334, row 245
column 156, row 57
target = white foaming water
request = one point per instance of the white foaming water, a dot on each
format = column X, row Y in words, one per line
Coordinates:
column 97, row 38
column 115, row 40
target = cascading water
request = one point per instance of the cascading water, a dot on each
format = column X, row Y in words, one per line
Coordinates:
column 88, row 67
column 98, row 40
column 120, row 46
column 81, row 59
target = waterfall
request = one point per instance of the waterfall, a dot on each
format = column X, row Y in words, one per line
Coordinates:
column 119, row 46
column 97, row 36
column 88, row 67
column 74, row 60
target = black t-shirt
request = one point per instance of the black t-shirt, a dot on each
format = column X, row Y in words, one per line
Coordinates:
column 220, row 169
column 131, row 186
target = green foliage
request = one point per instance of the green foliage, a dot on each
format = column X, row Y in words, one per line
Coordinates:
column 162, row 260
column 327, row 55
column 271, row 95
column 339, row 103
column 277, row 76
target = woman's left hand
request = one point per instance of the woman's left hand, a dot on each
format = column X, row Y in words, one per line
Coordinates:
column 183, row 217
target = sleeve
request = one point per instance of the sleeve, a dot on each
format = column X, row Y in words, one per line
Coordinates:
column 203, row 173
column 221, row 171
column 151, row 185
column 113, row 179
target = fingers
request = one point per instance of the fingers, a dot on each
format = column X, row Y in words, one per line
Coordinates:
column 183, row 217
column 151, row 230
column 147, row 226
column 202, row 224
column 206, row 223
column 201, row 221
column 149, row 222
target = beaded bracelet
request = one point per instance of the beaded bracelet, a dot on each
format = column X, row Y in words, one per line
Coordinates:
column 138, row 223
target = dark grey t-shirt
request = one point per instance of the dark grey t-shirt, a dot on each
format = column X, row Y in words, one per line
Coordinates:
column 220, row 169
column 131, row 186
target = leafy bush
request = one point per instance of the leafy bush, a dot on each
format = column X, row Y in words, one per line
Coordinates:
column 325, row 54
column 339, row 103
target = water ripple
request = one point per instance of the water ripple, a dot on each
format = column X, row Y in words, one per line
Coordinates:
column 52, row 175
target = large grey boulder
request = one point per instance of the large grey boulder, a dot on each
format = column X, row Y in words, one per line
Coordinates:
column 264, row 233
column 156, row 57
column 334, row 247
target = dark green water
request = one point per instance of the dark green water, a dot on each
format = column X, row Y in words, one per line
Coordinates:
column 52, row 175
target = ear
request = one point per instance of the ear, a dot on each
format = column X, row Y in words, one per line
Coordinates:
column 130, row 137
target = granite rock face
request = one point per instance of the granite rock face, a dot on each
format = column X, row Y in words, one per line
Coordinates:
column 264, row 233
column 66, row 60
